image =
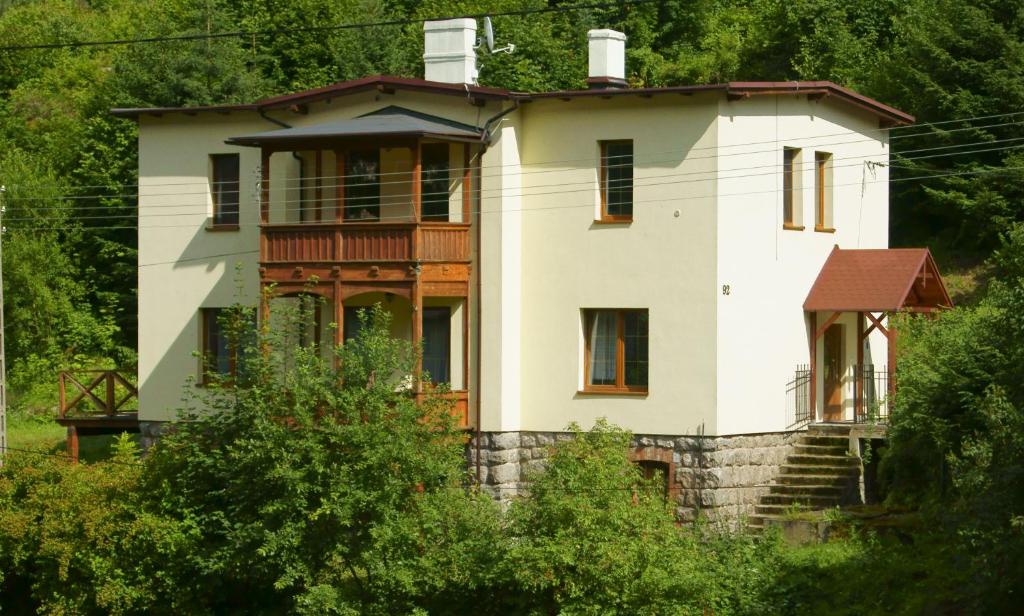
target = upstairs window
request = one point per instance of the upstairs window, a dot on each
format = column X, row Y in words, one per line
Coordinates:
column 617, row 181
column 616, row 351
column 224, row 188
column 435, row 181
column 791, row 202
column 362, row 185
column 823, row 192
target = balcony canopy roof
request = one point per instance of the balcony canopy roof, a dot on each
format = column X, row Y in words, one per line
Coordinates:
column 878, row 280
column 387, row 122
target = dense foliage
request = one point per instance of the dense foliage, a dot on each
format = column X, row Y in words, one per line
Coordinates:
column 70, row 167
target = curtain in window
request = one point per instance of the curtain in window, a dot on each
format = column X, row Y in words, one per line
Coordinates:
column 603, row 338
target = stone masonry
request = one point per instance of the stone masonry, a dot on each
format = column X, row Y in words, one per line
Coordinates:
column 719, row 477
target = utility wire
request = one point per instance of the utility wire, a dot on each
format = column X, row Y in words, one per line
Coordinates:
column 319, row 29
column 327, row 187
column 669, row 200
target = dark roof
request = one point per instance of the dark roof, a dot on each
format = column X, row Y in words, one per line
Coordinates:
column 877, row 280
column 389, row 121
column 382, row 83
column 733, row 89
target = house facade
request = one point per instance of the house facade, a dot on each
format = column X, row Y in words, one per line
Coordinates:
column 643, row 255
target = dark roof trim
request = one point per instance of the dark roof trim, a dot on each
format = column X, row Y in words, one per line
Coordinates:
column 745, row 89
column 342, row 88
column 733, row 89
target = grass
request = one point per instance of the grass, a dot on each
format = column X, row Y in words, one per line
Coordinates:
column 45, row 435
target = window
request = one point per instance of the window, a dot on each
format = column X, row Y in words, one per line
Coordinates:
column 362, row 185
column 437, row 336
column 791, row 206
column 823, row 192
column 656, row 472
column 224, row 188
column 617, row 181
column 352, row 325
column 434, row 181
column 221, row 355
column 616, row 350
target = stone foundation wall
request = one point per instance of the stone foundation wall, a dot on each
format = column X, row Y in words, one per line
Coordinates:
column 150, row 431
column 719, row 477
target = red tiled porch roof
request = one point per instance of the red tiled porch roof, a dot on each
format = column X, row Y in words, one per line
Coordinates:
column 877, row 280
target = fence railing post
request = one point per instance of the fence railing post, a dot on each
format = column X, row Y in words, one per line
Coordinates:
column 111, row 401
column 61, row 395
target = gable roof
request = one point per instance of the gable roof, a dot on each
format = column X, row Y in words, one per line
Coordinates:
column 877, row 280
column 479, row 94
column 390, row 121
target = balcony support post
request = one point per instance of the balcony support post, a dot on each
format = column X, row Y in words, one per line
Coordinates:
column 467, row 183
column 319, row 184
column 417, row 196
column 339, row 186
column 417, row 327
column 265, row 185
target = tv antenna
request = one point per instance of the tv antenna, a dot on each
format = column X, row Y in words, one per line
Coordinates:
column 489, row 39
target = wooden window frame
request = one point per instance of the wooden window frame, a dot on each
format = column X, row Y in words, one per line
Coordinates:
column 822, row 199
column 605, row 216
column 214, row 181
column 208, row 316
column 791, row 202
column 620, row 387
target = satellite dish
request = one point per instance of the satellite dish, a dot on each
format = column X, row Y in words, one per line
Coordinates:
column 489, row 39
column 489, row 34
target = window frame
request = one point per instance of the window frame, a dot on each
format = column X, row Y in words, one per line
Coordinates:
column 620, row 387
column 209, row 316
column 791, row 200
column 215, row 223
column 603, row 182
column 823, row 213
column 446, row 311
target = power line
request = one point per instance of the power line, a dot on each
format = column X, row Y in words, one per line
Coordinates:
column 669, row 200
column 802, row 141
column 328, row 186
column 317, row 29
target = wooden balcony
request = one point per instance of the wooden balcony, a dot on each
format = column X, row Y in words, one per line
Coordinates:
column 364, row 242
column 96, row 402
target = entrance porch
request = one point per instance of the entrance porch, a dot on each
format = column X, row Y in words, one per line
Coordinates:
column 852, row 339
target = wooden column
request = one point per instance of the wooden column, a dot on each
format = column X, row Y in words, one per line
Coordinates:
column 417, row 325
column 417, row 197
column 339, row 314
column 890, row 335
column 465, row 343
column 858, row 374
column 467, row 184
column 265, row 185
column 814, row 366
column 319, row 184
column 339, row 186
column 72, row 445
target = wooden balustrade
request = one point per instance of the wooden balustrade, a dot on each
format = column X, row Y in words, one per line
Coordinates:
column 362, row 241
column 111, row 399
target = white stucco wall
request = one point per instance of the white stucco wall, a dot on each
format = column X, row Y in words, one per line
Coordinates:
column 663, row 261
column 761, row 326
column 184, row 267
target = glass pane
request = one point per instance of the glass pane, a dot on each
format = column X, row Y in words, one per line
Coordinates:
column 602, row 337
column 788, row 158
column 225, row 189
column 352, row 325
column 217, row 356
column 435, row 181
column 619, row 178
column 635, row 343
column 437, row 337
column 362, row 185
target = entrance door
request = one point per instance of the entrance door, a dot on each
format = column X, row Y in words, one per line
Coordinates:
column 834, row 367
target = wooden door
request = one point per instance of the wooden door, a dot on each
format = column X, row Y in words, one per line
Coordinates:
column 834, row 368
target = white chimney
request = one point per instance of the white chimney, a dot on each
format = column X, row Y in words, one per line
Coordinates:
column 448, row 54
column 607, row 59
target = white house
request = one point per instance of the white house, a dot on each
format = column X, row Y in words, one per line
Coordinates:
column 639, row 254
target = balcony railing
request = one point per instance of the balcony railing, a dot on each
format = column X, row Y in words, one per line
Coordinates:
column 372, row 241
column 872, row 385
column 95, row 392
column 798, row 398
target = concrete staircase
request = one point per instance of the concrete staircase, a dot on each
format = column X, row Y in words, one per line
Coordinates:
column 819, row 474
